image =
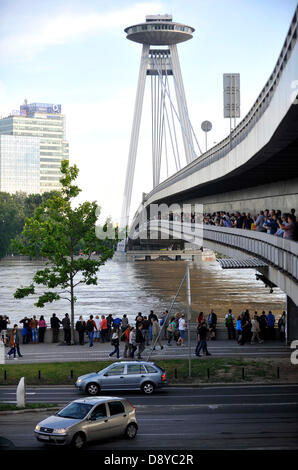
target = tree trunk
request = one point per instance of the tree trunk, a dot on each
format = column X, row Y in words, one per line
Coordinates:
column 72, row 313
column 72, row 326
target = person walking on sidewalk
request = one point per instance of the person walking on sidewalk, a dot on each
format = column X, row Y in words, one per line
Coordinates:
column 66, row 329
column 81, row 328
column 212, row 321
column 146, row 326
column 34, row 329
column 156, row 333
column 140, row 340
column 3, row 327
column 202, row 340
column 182, row 328
column 229, row 323
column 42, row 328
column 255, row 329
column 171, row 330
column 238, row 329
column 103, row 329
column 271, row 323
column 96, row 336
column 115, row 343
column 125, row 336
column 14, row 343
column 132, row 342
column 90, row 327
column 55, row 325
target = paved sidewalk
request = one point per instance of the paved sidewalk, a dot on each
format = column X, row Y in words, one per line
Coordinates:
column 37, row 353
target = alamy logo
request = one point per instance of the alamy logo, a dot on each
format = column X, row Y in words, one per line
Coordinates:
column 294, row 355
column 160, row 221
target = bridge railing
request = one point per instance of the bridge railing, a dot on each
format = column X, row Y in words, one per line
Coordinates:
column 276, row 251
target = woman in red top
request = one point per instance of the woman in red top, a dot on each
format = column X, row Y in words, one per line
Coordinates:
column 103, row 328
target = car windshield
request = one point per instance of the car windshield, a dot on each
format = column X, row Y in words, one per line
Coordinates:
column 75, row 410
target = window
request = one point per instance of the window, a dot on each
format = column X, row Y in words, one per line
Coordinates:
column 99, row 412
column 135, row 369
column 151, row 369
column 75, row 410
column 116, row 370
column 116, row 408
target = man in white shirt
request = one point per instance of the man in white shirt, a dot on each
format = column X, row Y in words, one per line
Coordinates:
column 181, row 327
column 97, row 332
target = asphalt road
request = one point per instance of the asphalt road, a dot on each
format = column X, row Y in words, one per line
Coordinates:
column 250, row 417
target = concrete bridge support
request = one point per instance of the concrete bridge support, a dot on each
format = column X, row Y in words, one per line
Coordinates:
column 292, row 320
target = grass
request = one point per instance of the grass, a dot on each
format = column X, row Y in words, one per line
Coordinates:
column 202, row 370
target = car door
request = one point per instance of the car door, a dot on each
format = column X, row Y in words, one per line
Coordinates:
column 113, row 378
column 118, row 417
column 135, row 373
column 97, row 424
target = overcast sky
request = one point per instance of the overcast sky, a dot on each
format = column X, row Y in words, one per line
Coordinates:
column 75, row 53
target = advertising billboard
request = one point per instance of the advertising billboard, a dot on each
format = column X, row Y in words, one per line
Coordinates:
column 41, row 108
column 231, row 90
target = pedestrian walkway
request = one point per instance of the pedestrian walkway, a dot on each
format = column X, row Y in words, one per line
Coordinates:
column 38, row 353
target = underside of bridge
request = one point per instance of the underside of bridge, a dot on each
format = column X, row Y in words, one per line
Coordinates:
column 268, row 180
column 271, row 277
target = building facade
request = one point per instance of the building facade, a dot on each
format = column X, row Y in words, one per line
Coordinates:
column 19, row 164
column 45, row 122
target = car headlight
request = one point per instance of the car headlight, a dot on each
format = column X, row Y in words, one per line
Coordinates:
column 79, row 381
column 60, row 431
column 37, row 427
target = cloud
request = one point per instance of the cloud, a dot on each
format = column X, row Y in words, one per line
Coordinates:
column 68, row 26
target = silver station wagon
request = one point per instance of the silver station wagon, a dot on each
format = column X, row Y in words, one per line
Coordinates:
column 88, row 419
column 124, row 375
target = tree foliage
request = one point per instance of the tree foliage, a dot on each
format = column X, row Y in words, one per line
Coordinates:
column 14, row 208
column 58, row 231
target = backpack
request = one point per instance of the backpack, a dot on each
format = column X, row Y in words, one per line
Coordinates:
column 229, row 320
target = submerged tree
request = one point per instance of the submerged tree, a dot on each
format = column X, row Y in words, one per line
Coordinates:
column 58, row 232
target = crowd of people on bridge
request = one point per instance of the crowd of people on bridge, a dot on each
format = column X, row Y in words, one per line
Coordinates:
column 143, row 331
column 270, row 221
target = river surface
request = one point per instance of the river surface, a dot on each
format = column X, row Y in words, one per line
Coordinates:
column 141, row 286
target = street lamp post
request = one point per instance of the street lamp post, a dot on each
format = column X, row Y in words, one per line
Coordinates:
column 188, row 318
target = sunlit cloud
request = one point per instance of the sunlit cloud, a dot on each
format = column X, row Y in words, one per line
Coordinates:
column 68, row 26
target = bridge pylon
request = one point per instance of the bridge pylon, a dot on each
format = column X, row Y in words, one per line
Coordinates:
column 159, row 36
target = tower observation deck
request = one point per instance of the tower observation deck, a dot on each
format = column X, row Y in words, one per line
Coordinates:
column 159, row 63
column 159, row 30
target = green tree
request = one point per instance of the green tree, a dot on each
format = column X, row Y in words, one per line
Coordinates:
column 55, row 232
column 11, row 221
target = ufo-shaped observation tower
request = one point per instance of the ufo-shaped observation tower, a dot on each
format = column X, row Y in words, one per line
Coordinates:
column 159, row 36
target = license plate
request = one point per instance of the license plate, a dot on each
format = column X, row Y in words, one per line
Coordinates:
column 45, row 438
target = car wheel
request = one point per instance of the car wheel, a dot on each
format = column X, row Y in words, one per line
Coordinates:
column 131, row 431
column 148, row 388
column 93, row 389
column 78, row 441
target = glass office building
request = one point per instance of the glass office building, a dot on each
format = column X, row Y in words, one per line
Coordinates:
column 19, row 164
column 44, row 121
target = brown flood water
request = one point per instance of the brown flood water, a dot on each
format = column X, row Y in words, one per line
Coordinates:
column 211, row 287
column 131, row 287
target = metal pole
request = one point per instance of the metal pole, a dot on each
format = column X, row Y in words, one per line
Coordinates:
column 188, row 319
column 172, row 304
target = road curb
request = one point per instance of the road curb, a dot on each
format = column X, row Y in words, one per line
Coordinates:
column 30, row 410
